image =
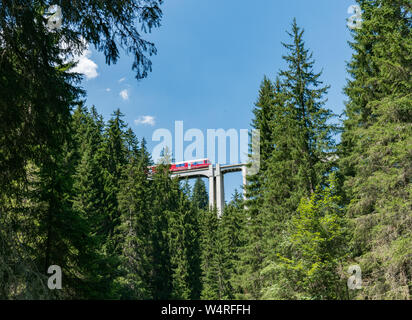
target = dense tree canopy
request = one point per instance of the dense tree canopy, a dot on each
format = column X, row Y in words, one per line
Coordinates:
column 77, row 192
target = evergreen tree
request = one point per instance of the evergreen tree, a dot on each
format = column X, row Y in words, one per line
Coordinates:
column 88, row 199
column 252, row 253
column 210, row 263
column 63, row 233
column 319, row 240
column 375, row 157
column 136, row 255
column 303, row 145
column 37, row 113
column 232, row 238
column 164, row 203
column 21, row 271
column 199, row 197
column 185, row 250
column 37, row 93
column 114, row 158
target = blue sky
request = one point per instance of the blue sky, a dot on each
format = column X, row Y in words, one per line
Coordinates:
column 212, row 56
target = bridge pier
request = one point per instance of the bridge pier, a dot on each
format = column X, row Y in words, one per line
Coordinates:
column 216, row 182
column 244, row 181
column 211, row 187
column 220, row 194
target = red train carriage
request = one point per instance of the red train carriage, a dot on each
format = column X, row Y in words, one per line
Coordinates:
column 202, row 163
column 185, row 165
column 192, row 164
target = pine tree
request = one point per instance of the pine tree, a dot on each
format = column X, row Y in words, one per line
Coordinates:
column 199, row 197
column 63, row 232
column 319, row 239
column 232, row 238
column 303, row 146
column 209, row 225
column 136, row 255
column 164, row 203
column 114, row 158
column 185, row 250
column 375, row 157
column 37, row 93
column 252, row 253
column 21, row 269
column 88, row 199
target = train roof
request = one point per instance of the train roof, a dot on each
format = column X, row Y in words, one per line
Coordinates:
column 187, row 161
column 155, row 165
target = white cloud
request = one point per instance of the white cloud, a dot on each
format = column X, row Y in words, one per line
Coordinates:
column 108, row 90
column 121, row 80
column 149, row 120
column 85, row 65
column 124, row 94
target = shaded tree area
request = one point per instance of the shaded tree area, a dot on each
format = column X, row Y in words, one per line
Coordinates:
column 42, row 220
column 115, row 231
column 376, row 149
column 317, row 207
column 76, row 190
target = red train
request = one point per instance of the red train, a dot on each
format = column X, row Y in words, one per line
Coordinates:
column 185, row 165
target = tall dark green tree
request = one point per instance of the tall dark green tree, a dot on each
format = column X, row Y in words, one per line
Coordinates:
column 252, row 253
column 318, row 237
column 303, row 146
column 233, row 239
column 211, row 286
column 375, row 151
column 114, row 158
column 184, row 237
column 164, row 203
column 33, row 66
column 136, row 255
column 199, row 196
column 37, row 92
column 88, row 200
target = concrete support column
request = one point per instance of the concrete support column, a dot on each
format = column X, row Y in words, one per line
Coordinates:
column 211, row 187
column 244, row 181
column 220, row 197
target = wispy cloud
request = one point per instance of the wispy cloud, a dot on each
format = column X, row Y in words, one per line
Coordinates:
column 108, row 89
column 124, row 94
column 85, row 65
column 145, row 120
column 121, row 80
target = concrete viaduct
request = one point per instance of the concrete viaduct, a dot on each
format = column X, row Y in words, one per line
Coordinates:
column 216, row 181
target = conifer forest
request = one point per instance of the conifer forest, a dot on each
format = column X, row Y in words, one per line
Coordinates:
column 76, row 191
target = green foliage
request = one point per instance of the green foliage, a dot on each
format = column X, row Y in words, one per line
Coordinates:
column 296, row 152
column 221, row 241
column 231, row 232
column 135, row 238
column 184, row 238
column 251, row 257
column 210, row 265
column 318, row 238
column 199, row 196
column 51, row 184
column 375, row 152
column 76, row 191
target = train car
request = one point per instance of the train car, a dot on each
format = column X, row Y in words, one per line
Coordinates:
column 185, row 165
column 202, row 163
column 179, row 166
